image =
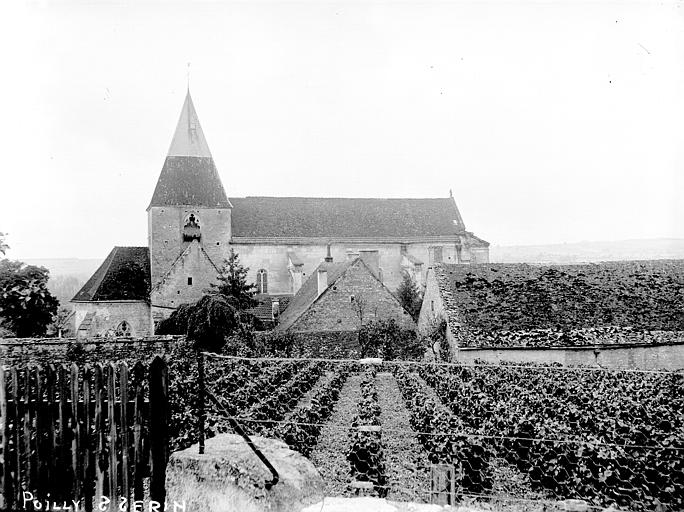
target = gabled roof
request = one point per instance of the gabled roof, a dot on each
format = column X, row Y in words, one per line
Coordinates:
column 285, row 217
column 308, row 293
column 124, row 275
column 189, row 175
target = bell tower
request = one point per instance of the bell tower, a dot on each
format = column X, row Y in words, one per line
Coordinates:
column 189, row 213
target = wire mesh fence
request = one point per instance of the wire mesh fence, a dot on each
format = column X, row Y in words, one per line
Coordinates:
column 528, row 435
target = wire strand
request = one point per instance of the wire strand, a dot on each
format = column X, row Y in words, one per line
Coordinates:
column 465, row 434
column 493, row 366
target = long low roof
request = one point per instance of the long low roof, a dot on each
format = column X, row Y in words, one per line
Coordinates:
column 312, row 217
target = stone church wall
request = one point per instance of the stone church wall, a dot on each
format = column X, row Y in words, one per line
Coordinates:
column 19, row 351
column 108, row 315
column 274, row 258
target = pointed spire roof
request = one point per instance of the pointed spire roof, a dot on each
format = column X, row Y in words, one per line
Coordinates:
column 189, row 176
column 189, row 138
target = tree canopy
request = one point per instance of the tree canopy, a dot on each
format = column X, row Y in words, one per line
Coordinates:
column 3, row 246
column 26, row 305
column 219, row 315
column 233, row 283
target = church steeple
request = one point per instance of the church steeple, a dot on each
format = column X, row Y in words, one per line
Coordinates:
column 189, row 176
column 189, row 138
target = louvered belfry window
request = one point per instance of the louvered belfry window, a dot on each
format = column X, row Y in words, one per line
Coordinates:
column 191, row 228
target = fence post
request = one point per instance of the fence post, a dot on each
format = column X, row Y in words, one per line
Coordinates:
column 17, row 434
column 202, row 419
column 158, row 428
column 76, row 463
column 5, row 424
column 123, row 416
column 138, row 459
column 88, row 466
column 113, row 434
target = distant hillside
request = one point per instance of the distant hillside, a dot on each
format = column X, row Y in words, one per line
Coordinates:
column 67, row 275
column 644, row 249
column 67, row 266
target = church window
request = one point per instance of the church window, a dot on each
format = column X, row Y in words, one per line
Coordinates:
column 191, row 228
column 124, row 329
column 189, row 281
column 436, row 255
column 262, row 281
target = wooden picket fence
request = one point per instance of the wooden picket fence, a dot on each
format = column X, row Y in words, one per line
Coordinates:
column 80, row 433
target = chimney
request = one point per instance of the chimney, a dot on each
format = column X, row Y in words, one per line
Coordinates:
column 328, row 257
column 372, row 260
column 322, row 281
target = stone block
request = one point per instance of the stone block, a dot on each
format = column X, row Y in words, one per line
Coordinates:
column 230, row 477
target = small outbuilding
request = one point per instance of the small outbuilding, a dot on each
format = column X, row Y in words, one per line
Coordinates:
column 337, row 299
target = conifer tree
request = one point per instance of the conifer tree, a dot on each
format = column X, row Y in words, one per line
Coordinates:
column 409, row 296
column 233, row 283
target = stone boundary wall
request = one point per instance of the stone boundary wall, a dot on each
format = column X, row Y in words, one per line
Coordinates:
column 19, row 351
column 328, row 344
column 643, row 356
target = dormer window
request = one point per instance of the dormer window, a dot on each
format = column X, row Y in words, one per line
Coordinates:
column 191, row 228
column 262, row 281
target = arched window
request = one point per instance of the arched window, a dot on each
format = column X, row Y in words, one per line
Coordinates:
column 191, row 228
column 124, row 329
column 262, row 281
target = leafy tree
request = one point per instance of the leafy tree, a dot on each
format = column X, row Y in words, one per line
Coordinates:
column 214, row 323
column 233, row 283
column 409, row 295
column 3, row 246
column 211, row 320
column 61, row 325
column 388, row 340
column 177, row 322
column 26, row 304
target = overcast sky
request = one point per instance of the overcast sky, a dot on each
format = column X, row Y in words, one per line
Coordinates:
column 551, row 122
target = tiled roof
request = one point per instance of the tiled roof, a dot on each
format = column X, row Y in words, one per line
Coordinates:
column 287, row 217
column 508, row 297
column 264, row 311
column 308, row 293
column 189, row 180
column 124, row 275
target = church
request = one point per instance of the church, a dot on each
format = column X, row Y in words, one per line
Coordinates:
column 193, row 225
